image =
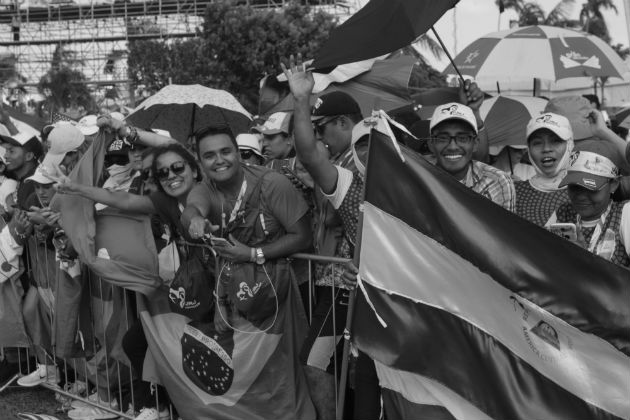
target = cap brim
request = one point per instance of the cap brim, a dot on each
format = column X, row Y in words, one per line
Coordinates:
column 271, row 132
column 317, row 117
column 584, row 179
column 10, row 140
column 47, row 129
column 256, row 152
column 88, row 130
column 454, row 118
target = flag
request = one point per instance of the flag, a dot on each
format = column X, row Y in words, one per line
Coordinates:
column 55, row 117
column 380, row 27
column 471, row 312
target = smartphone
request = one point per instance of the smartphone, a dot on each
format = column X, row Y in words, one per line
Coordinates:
column 215, row 240
column 565, row 230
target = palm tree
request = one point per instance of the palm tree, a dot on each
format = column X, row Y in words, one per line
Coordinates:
column 531, row 14
column 593, row 20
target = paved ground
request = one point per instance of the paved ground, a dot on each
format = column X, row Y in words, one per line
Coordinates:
column 16, row 399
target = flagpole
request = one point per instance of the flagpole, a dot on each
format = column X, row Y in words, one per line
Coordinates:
column 461, row 78
column 347, row 332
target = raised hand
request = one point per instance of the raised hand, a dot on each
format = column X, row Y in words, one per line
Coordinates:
column 300, row 79
column 471, row 95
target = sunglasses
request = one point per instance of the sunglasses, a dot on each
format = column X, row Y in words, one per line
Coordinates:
column 319, row 126
column 177, row 168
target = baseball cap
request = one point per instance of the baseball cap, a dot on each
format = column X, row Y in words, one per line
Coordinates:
column 28, row 142
column 553, row 122
column 39, row 177
column 62, row 139
column 453, row 111
column 576, row 109
column 249, row 142
column 334, row 103
column 87, row 125
column 589, row 170
column 277, row 122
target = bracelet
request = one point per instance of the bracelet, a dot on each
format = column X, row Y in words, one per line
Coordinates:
column 18, row 234
column 132, row 137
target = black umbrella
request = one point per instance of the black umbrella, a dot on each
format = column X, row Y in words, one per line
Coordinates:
column 380, row 27
column 183, row 110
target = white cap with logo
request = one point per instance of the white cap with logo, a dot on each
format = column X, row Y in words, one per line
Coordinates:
column 62, row 139
column 453, row 111
column 589, row 170
column 553, row 122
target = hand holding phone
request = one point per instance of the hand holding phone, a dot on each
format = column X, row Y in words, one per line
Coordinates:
column 565, row 230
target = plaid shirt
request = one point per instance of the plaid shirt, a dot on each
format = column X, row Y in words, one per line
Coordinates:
column 491, row 183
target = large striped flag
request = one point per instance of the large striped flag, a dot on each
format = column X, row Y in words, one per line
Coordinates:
column 474, row 313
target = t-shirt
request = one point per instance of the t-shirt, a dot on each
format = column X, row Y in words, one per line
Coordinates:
column 535, row 205
column 168, row 209
column 491, row 183
column 281, row 204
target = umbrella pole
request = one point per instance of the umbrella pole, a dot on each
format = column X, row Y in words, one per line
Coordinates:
column 498, row 88
column 461, row 78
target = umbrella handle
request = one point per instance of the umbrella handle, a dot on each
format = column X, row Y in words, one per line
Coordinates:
column 450, row 58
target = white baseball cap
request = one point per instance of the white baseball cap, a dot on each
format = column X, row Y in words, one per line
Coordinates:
column 39, row 177
column 87, row 125
column 553, row 122
column 453, row 111
column 62, row 139
column 589, row 170
column 249, row 142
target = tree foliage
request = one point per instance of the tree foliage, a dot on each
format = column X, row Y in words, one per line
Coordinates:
column 66, row 91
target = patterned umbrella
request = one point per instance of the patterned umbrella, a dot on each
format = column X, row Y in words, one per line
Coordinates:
column 543, row 52
column 184, row 109
column 622, row 118
column 506, row 118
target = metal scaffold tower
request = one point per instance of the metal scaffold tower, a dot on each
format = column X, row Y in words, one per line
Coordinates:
column 93, row 36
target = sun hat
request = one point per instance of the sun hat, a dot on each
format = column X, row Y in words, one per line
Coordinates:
column 334, row 103
column 453, row 111
column 589, row 170
column 249, row 142
column 553, row 122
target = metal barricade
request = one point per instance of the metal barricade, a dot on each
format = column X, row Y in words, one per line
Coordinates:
column 103, row 368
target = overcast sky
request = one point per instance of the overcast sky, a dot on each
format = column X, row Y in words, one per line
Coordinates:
column 476, row 18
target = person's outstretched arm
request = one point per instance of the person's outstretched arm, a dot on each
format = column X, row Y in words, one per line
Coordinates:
column 314, row 159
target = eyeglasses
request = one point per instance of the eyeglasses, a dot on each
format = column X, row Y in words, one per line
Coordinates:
column 177, row 168
column 443, row 140
column 319, row 126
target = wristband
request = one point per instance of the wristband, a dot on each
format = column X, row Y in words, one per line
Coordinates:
column 132, row 137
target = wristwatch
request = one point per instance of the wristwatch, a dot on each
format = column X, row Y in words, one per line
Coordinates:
column 260, row 256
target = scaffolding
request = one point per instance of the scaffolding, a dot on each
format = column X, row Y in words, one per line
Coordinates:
column 94, row 37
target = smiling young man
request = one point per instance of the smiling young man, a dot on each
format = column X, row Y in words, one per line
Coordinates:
column 453, row 141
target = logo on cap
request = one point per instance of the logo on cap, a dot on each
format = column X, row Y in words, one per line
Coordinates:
column 590, row 183
column 318, row 103
column 453, row 110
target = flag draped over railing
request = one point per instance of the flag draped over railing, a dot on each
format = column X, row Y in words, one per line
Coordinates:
column 487, row 315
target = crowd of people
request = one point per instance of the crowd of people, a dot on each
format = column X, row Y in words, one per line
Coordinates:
column 293, row 184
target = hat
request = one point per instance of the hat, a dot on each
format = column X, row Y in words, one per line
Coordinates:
column 39, row 177
column 117, row 116
column 553, row 122
column 87, row 125
column 118, row 147
column 334, row 103
column 453, row 111
column 29, row 142
column 249, row 142
column 576, row 109
column 62, row 139
column 276, row 123
column 589, row 170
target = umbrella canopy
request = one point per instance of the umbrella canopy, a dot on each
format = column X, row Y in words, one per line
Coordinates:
column 622, row 118
column 385, row 86
column 380, row 27
column 183, row 110
column 506, row 118
column 543, row 52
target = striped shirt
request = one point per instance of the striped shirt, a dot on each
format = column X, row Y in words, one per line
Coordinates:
column 491, row 183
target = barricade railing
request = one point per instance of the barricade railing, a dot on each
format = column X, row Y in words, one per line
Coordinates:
column 102, row 372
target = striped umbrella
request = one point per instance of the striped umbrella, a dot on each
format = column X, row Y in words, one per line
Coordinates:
column 506, row 118
column 543, row 52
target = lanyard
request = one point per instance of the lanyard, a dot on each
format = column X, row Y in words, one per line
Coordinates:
column 237, row 205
